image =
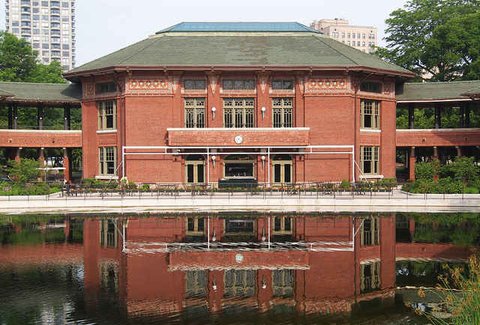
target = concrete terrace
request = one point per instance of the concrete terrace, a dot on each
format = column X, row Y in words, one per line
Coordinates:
column 396, row 201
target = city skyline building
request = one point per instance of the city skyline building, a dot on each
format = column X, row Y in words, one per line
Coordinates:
column 49, row 26
column 363, row 38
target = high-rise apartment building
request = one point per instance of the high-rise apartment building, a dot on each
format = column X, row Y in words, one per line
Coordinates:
column 49, row 26
column 363, row 38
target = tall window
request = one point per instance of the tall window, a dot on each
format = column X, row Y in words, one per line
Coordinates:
column 240, row 283
column 282, row 169
column 370, row 114
column 196, row 283
column 370, row 277
column 282, row 112
column 283, row 283
column 369, row 160
column 107, row 161
column 239, row 112
column 370, row 231
column 282, row 225
column 195, row 169
column 195, row 226
column 194, row 112
column 107, row 115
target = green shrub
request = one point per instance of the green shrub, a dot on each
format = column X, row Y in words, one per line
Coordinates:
column 24, row 171
column 472, row 190
column 423, row 186
column 145, row 187
column 448, row 186
column 427, row 170
column 345, row 185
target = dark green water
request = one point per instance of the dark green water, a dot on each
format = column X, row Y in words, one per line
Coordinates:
column 226, row 269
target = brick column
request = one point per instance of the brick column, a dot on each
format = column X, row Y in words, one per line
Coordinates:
column 412, row 162
column 214, row 100
column 66, row 164
column 263, row 112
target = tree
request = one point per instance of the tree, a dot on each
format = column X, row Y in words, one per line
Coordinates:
column 18, row 62
column 51, row 73
column 24, row 171
column 437, row 39
column 17, row 59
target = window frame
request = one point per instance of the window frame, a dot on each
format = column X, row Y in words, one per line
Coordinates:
column 282, row 111
column 103, row 161
column 197, row 111
column 246, row 112
column 103, row 114
column 374, row 160
column 370, row 108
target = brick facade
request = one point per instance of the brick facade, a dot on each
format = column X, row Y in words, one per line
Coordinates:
column 150, row 113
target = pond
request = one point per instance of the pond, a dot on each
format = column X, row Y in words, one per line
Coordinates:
column 232, row 268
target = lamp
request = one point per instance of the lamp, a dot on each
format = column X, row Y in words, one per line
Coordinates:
column 214, row 109
column 214, row 285
column 263, row 160
column 214, row 237
column 263, row 110
column 264, row 283
column 263, row 234
column 214, row 158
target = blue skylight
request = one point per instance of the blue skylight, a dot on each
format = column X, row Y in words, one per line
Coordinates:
column 238, row 27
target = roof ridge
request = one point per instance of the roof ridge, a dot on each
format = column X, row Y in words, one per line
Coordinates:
column 321, row 39
column 442, row 82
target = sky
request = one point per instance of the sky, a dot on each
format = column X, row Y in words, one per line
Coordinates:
column 104, row 26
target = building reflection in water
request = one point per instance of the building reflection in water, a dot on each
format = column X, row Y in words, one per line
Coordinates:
column 170, row 265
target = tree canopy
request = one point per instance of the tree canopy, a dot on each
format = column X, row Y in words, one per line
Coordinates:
column 18, row 62
column 437, row 39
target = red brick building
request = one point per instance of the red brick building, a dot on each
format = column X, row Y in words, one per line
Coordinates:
column 246, row 102
column 258, row 103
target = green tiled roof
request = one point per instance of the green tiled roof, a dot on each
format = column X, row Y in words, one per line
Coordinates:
column 438, row 91
column 241, row 50
column 28, row 92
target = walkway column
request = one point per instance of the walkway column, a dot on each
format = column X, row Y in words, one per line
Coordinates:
column 467, row 115
column 462, row 116
column 17, row 155
column 66, row 165
column 41, row 163
column 40, row 117
column 459, row 151
column 412, row 160
column 435, row 153
column 15, row 117
column 438, row 117
column 411, row 116
column 10, row 117
column 66, row 118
